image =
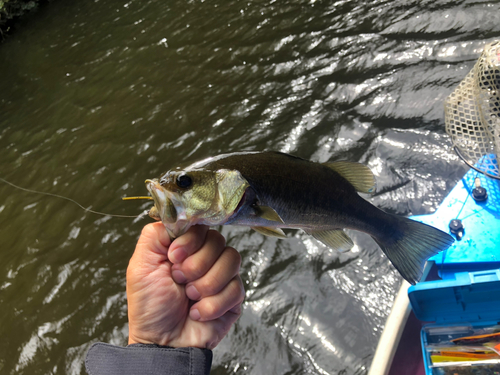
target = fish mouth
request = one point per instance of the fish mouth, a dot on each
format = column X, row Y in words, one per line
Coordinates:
column 153, row 187
column 163, row 208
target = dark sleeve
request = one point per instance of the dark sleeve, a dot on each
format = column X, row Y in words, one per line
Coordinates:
column 106, row 359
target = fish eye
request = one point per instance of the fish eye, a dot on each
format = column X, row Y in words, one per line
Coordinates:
column 184, row 181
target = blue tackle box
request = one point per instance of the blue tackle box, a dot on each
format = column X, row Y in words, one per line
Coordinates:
column 464, row 306
column 466, row 300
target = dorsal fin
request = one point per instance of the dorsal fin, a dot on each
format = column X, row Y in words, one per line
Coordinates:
column 359, row 175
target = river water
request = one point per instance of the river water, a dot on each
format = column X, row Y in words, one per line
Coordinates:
column 97, row 96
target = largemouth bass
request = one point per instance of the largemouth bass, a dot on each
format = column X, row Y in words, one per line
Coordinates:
column 270, row 190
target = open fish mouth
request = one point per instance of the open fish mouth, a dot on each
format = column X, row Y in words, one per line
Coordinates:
column 163, row 208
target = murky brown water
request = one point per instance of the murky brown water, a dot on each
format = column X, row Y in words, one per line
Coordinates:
column 95, row 97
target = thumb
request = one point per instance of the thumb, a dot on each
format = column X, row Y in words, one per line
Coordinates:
column 151, row 249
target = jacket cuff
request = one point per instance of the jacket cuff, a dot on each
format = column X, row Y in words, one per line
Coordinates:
column 106, row 359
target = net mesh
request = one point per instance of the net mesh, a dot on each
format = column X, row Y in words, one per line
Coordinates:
column 472, row 113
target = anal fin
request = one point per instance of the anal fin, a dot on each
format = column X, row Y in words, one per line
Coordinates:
column 335, row 239
column 269, row 231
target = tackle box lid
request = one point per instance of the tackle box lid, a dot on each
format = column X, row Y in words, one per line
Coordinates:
column 479, row 248
column 469, row 296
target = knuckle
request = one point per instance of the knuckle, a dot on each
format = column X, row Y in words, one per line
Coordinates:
column 194, row 270
column 149, row 229
column 210, row 310
column 146, row 229
column 210, row 285
column 151, row 236
column 237, row 290
column 216, row 238
column 234, row 256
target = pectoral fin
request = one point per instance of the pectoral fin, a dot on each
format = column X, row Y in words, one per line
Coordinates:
column 268, row 231
column 359, row 175
column 335, row 239
column 268, row 213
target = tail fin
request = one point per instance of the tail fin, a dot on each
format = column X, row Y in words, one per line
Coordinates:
column 411, row 246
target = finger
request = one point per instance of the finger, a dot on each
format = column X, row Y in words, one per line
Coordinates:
column 213, row 307
column 187, row 244
column 201, row 261
column 150, row 251
column 222, row 326
column 153, row 244
column 154, row 237
column 217, row 277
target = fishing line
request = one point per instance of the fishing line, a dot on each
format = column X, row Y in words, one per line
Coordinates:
column 73, row 201
column 456, row 226
column 463, row 205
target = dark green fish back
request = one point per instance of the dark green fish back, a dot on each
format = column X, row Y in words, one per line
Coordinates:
column 301, row 191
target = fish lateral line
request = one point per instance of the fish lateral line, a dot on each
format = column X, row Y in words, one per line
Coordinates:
column 136, row 198
column 66, row 198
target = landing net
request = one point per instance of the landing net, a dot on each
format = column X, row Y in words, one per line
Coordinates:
column 472, row 113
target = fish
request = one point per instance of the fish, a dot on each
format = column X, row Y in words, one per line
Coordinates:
column 270, row 190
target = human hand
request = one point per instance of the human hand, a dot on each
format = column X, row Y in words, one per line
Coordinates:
column 183, row 294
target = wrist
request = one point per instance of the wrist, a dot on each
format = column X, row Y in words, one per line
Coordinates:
column 145, row 340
